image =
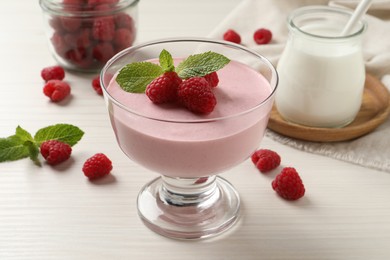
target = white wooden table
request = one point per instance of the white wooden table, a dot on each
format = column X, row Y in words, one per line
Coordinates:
column 56, row 213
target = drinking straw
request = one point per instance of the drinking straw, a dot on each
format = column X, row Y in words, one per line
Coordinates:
column 360, row 10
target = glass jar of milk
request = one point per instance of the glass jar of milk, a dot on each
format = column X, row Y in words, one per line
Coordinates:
column 321, row 72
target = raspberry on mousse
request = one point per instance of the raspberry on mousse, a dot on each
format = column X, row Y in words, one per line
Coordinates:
column 196, row 95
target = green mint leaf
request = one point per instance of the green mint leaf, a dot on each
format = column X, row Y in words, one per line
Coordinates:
column 62, row 132
column 166, row 61
column 23, row 145
column 29, row 144
column 23, row 134
column 33, row 151
column 12, row 149
column 134, row 77
column 199, row 65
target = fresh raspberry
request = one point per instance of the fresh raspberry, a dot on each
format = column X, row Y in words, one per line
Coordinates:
column 96, row 85
column 53, row 72
column 80, row 57
column 262, row 36
column 288, row 184
column 80, row 39
column 212, row 79
column 55, row 23
column 232, row 36
column 76, row 55
column 123, row 20
column 99, row 2
column 103, row 52
column 163, row 89
column 71, row 24
column 70, row 40
column 265, row 160
column 73, row 5
column 59, row 44
column 104, row 28
column 123, row 38
column 87, row 62
column 102, row 7
column 97, row 166
column 73, row 2
column 196, row 94
column 56, row 90
column 55, row 151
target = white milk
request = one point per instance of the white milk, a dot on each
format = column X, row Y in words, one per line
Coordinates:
column 321, row 79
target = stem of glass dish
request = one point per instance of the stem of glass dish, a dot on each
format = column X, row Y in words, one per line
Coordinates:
column 183, row 192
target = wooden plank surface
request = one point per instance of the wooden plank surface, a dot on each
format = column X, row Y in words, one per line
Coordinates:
column 56, row 213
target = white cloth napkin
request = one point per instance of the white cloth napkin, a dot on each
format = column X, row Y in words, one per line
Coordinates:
column 372, row 150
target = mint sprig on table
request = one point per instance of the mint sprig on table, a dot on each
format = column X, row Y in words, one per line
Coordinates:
column 135, row 77
column 22, row 144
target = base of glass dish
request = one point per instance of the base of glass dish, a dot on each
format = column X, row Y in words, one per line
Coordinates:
column 188, row 208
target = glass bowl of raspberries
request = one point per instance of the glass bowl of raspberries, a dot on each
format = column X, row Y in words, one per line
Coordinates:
column 84, row 34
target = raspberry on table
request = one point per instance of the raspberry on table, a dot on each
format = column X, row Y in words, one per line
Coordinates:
column 196, row 95
column 96, row 85
column 232, row 36
column 288, row 184
column 262, row 36
column 212, row 79
column 97, row 166
column 163, row 89
column 265, row 160
column 56, row 90
column 55, row 151
column 53, row 72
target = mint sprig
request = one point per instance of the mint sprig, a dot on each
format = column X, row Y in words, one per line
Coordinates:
column 199, row 65
column 166, row 61
column 12, row 148
column 22, row 144
column 61, row 132
column 135, row 77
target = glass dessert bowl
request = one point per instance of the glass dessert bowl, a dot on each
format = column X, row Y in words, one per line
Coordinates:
column 189, row 200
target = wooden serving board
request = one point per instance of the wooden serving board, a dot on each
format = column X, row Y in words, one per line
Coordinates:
column 373, row 112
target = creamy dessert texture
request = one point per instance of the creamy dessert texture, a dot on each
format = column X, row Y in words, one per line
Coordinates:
column 183, row 148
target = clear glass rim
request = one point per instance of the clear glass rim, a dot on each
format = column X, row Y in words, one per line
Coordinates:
column 318, row 8
column 274, row 76
column 57, row 8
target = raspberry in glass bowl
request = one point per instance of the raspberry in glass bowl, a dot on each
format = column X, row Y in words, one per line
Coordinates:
column 84, row 34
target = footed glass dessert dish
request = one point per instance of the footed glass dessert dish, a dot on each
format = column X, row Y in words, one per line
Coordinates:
column 189, row 200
